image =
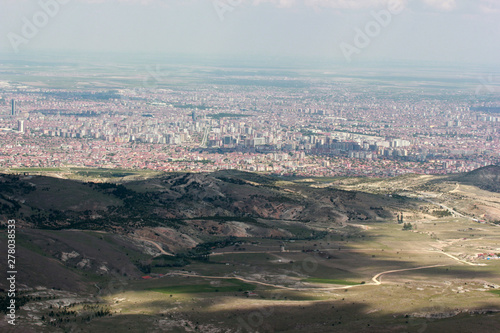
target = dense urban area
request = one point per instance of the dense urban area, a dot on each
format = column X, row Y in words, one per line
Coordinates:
column 278, row 125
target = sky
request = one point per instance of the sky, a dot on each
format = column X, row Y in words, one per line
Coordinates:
column 340, row 31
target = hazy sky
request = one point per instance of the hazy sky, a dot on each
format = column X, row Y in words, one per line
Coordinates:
column 451, row 31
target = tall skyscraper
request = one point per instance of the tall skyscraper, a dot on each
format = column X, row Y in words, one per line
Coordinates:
column 193, row 116
column 13, row 110
column 20, row 126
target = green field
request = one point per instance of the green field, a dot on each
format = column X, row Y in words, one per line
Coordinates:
column 366, row 275
column 87, row 173
column 229, row 285
column 228, row 115
column 331, row 281
column 37, row 169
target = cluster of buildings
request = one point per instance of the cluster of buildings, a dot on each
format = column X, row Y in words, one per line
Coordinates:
column 20, row 122
column 325, row 131
column 488, row 256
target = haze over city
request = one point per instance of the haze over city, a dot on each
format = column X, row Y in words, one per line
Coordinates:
column 448, row 32
column 242, row 166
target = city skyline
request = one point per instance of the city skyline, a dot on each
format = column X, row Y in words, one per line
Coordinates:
column 338, row 32
column 206, row 119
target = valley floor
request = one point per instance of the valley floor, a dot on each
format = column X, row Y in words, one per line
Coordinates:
column 375, row 277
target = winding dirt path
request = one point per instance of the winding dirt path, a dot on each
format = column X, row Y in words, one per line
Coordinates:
column 254, row 252
column 458, row 259
column 156, row 245
column 376, row 279
column 377, row 282
column 236, row 278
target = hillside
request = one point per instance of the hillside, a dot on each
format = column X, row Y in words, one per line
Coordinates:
column 52, row 203
column 177, row 250
column 487, row 178
column 101, row 229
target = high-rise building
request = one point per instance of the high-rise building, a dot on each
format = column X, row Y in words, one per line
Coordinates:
column 13, row 109
column 20, row 126
column 193, row 116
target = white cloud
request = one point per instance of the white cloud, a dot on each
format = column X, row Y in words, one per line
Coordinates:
column 337, row 4
column 279, row 3
column 489, row 6
column 141, row 2
column 485, row 6
column 345, row 4
column 442, row 4
column 358, row 4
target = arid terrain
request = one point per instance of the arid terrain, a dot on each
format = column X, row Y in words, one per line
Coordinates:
column 241, row 252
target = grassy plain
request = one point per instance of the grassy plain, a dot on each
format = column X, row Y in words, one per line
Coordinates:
column 363, row 276
column 322, row 290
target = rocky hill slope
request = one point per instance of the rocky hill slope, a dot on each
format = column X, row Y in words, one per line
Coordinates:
column 171, row 200
column 487, row 178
